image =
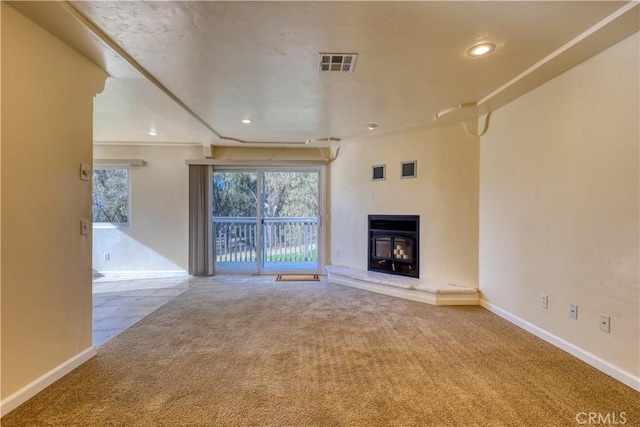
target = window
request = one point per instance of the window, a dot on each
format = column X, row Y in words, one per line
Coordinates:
column 111, row 195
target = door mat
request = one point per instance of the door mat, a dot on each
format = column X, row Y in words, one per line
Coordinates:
column 297, row 278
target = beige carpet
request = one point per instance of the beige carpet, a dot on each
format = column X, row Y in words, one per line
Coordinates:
column 313, row 354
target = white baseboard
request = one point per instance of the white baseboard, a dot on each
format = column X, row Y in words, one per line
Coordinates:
column 602, row 365
column 27, row 392
column 141, row 273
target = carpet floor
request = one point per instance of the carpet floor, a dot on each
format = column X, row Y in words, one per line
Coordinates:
column 317, row 354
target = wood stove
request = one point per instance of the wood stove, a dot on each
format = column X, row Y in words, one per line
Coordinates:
column 394, row 244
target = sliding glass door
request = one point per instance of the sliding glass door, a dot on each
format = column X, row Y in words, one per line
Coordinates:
column 267, row 220
column 290, row 220
column 235, row 233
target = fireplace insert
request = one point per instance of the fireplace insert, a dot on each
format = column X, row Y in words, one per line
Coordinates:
column 394, row 244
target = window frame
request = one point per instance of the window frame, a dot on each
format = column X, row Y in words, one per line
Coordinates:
column 113, row 224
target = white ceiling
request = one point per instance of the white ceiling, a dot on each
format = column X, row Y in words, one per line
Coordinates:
column 193, row 70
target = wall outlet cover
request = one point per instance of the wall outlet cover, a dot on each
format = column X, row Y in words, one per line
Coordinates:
column 605, row 322
column 573, row 311
column 544, row 301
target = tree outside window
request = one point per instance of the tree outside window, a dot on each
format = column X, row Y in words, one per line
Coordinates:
column 111, row 195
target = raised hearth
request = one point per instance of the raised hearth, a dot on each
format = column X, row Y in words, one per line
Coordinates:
column 426, row 291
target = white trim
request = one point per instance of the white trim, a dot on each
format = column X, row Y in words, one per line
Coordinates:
column 27, row 392
column 613, row 371
column 561, row 50
column 149, row 144
column 172, row 273
column 112, row 225
column 105, row 163
column 242, row 164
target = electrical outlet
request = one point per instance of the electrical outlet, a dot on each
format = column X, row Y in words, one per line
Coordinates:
column 604, row 322
column 106, row 256
column 573, row 311
column 544, row 301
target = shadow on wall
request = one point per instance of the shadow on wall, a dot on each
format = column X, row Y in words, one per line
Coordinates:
column 156, row 239
column 95, row 273
column 116, row 251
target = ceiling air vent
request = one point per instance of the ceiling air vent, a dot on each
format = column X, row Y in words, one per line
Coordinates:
column 337, row 61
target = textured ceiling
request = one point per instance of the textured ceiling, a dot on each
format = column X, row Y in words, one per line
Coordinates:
column 204, row 66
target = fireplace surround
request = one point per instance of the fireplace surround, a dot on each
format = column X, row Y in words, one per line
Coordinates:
column 394, row 244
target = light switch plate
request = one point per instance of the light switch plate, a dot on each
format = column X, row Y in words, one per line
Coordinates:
column 84, row 227
column 85, row 172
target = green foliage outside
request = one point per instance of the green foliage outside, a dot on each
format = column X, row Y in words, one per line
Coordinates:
column 290, row 194
column 312, row 255
column 111, row 195
column 234, row 194
column 285, row 194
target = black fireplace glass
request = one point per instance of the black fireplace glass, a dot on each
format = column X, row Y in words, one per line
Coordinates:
column 383, row 247
column 394, row 245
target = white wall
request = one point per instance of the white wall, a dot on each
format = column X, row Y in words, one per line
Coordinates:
column 156, row 239
column 47, row 126
column 559, row 207
column 444, row 194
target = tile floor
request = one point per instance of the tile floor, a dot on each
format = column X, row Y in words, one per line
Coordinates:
column 119, row 303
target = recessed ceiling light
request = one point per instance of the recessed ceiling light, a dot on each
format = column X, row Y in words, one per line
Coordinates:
column 246, row 121
column 481, row 49
column 372, row 126
column 153, row 132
